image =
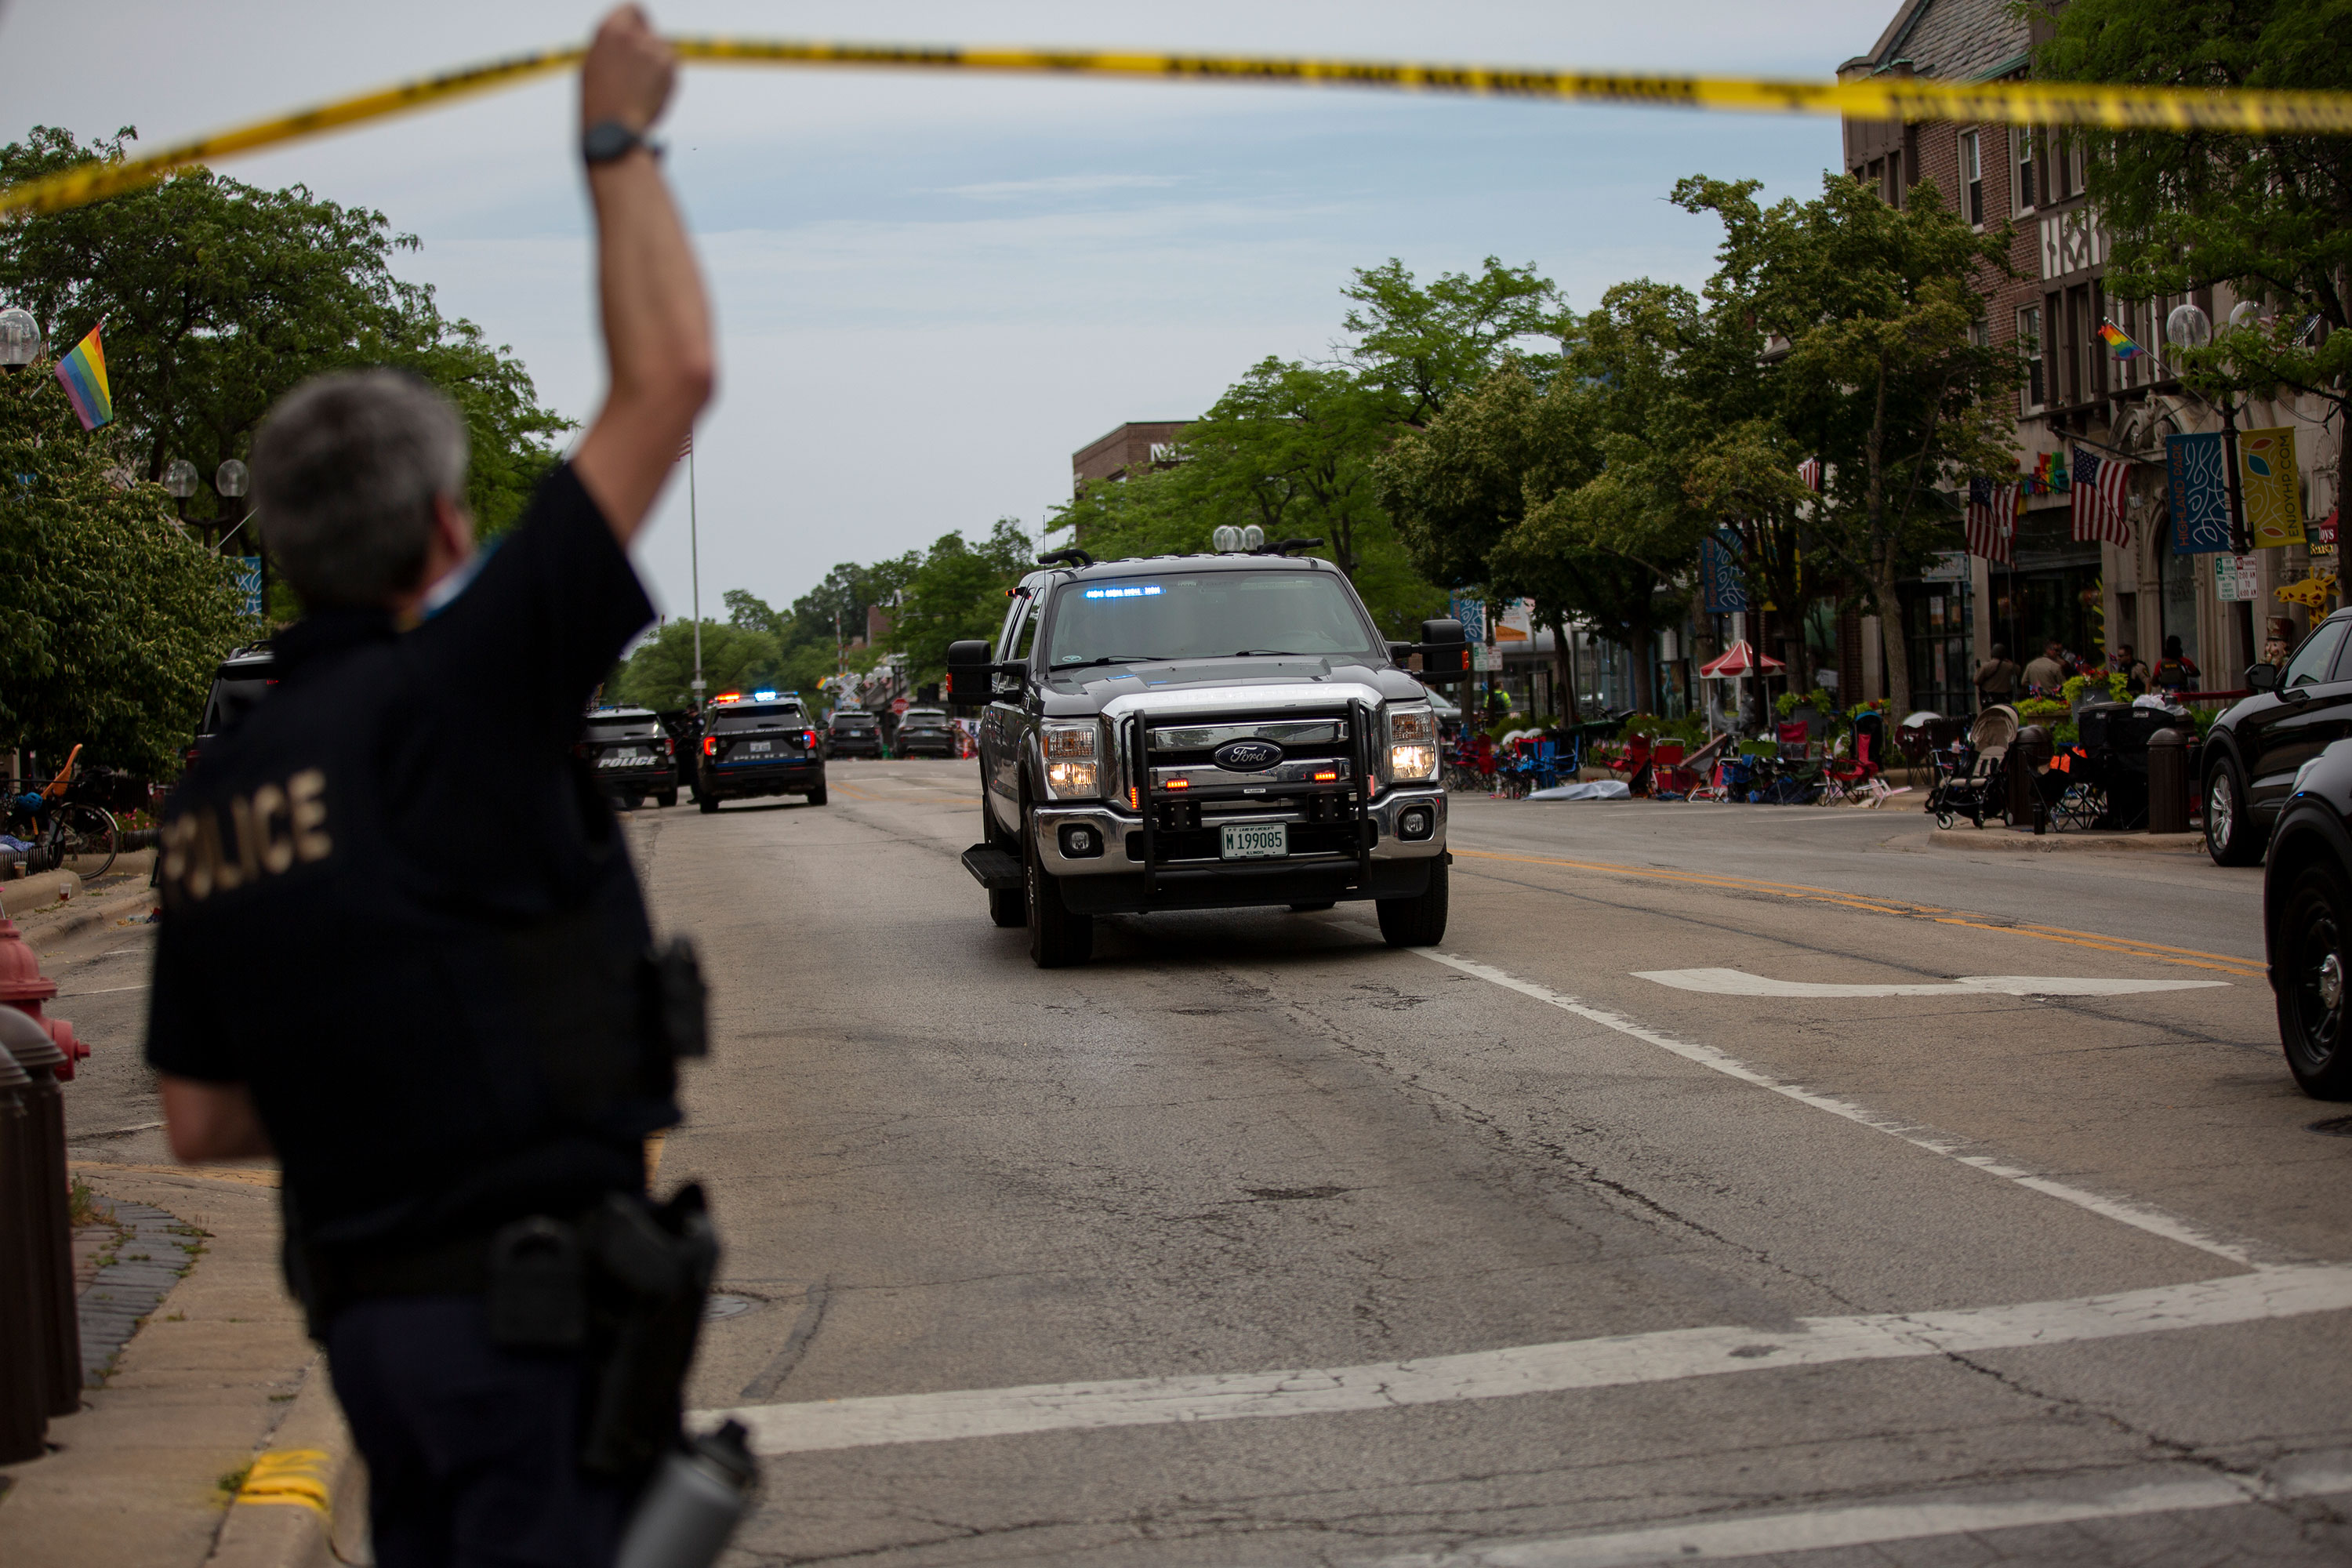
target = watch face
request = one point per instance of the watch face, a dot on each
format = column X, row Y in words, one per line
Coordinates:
column 606, row 139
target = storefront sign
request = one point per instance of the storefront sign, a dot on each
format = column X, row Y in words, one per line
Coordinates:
column 2200, row 493
column 2234, row 578
column 1948, row 566
column 2323, row 536
column 2269, row 488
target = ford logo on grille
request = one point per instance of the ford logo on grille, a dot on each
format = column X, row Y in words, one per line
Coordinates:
column 1247, row 757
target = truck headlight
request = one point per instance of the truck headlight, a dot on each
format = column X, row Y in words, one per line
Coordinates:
column 1072, row 761
column 1412, row 744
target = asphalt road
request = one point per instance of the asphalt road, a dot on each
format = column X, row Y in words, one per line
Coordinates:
column 1254, row 1241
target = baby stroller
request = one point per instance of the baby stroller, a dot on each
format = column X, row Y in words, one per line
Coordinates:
column 1970, row 774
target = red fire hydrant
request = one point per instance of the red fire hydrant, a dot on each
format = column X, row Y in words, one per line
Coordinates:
column 24, row 987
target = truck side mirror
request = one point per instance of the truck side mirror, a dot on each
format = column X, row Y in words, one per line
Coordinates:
column 1444, row 651
column 2262, row 677
column 970, row 670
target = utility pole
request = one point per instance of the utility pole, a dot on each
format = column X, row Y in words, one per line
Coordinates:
column 693, row 559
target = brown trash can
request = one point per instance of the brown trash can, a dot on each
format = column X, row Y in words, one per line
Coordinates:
column 57, row 1315
column 2029, row 750
column 24, row 1380
column 2167, row 782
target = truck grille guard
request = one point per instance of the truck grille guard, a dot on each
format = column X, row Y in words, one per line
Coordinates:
column 1349, row 801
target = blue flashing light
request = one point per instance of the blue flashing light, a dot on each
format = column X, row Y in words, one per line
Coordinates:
column 1141, row 593
column 764, row 697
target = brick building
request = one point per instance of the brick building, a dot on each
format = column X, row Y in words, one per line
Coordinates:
column 2088, row 595
column 1129, row 450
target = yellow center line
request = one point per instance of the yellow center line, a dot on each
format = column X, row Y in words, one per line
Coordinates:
column 2188, row 957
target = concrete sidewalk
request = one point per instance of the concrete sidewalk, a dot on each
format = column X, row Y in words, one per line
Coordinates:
column 215, row 1437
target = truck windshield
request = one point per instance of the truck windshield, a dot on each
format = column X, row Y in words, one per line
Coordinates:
column 624, row 727
column 734, row 719
column 1206, row 615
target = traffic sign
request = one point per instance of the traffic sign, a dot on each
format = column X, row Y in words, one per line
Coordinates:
column 897, row 705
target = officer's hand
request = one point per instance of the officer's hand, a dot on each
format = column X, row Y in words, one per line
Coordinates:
column 628, row 74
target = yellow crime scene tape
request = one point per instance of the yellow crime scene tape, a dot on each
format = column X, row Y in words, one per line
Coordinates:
column 2249, row 111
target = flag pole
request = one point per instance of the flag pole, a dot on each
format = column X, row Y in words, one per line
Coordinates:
column 694, row 558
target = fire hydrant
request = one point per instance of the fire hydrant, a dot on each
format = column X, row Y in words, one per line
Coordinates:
column 24, row 987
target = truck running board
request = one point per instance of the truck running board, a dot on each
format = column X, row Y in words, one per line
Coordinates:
column 992, row 868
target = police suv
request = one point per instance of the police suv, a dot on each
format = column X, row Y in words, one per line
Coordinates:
column 755, row 745
column 1204, row 731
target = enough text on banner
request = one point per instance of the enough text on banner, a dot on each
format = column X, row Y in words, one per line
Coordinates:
column 2200, row 493
column 2268, row 485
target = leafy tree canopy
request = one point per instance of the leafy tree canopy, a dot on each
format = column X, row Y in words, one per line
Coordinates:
column 217, row 298
column 111, row 617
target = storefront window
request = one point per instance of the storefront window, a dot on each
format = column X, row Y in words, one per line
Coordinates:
column 1936, row 619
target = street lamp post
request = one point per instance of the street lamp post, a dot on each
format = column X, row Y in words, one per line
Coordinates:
column 180, row 483
column 693, row 559
column 20, row 338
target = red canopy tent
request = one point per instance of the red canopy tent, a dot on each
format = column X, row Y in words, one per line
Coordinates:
column 1737, row 660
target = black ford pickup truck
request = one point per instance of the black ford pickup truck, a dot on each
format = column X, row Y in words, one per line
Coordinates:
column 1204, row 731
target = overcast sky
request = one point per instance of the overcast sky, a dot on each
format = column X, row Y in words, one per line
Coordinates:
column 931, row 291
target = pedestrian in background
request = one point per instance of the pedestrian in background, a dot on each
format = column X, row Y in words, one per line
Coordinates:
column 2046, row 676
column 1997, row 679
column 402, row 946
column 2176, row 671
column 2128, row 665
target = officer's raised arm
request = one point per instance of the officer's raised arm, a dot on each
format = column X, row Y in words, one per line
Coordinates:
column 656, row 319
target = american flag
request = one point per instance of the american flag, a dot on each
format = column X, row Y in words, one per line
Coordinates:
column 1992, row 520
column 2102, row 488
column 1809, row 470
column 686, row 447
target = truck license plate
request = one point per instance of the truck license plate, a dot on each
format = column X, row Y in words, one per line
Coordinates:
column 1255, row 840
column 758, row 745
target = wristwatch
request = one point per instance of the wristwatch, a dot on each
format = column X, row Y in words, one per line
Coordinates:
column 609, row 140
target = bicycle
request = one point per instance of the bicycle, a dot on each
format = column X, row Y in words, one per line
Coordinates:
column 65, row 834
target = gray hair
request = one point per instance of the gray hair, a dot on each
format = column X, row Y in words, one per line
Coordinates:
column 345, row 472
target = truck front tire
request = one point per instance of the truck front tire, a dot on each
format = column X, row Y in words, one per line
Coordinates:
column 1418, row 921
column 1059, row 936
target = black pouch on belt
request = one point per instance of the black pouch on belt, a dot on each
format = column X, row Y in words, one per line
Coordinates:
column 651, row 1266
column 538, row 1294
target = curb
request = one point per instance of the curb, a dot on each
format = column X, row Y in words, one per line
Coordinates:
column 137, row 901
column 304, row 1502
column 2011, row 840
column 27, row 894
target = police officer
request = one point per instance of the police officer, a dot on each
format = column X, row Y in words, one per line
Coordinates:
column 402, row 947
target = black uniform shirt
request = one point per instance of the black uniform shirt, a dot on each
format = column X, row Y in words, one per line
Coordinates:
column 397, row 907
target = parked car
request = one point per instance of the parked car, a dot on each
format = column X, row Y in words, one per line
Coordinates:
column 762, row 745
column 242, row 680
column 631, row 754
column 2252, row 752
column 853, row 732
column 2307, row 920
column 924, row 733
column 1204, row 731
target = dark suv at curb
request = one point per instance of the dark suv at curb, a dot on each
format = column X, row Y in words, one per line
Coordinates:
column 2307, row 921
column 1204, row 731
column 924, row 733
column 2252, row 752
column 754, row 746
column 853, row 732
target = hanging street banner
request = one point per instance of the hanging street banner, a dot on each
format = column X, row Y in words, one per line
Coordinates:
column 2200, row 493
column 1723, row 591
column 248, row 584
column 1470, row 613
column 2268, row 484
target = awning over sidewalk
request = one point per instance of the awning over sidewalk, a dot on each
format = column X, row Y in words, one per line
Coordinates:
column 1737, row 660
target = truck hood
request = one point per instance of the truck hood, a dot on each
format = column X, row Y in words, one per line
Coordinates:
column 1196, row 686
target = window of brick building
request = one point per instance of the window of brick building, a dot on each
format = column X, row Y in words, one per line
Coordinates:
column 2022, row 189
column 1893, row 187
column 1972, row 176
column 2028, row 343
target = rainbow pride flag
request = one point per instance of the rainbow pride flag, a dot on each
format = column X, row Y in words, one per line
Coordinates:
column 83, row 372
column 2119, row 341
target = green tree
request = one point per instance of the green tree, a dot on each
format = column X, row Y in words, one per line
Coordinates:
column 2271, row 216
column 748, row 610
column 1421, row 345
column 956, row 591
column 1882, row 376
column 111, row 617
column 217, row 298
column 660, row 673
